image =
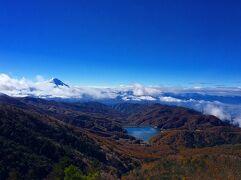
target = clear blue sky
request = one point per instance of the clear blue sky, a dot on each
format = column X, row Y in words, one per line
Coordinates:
column 108, row 42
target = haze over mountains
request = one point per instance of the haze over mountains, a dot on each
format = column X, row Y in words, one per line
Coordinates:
column 223, row 102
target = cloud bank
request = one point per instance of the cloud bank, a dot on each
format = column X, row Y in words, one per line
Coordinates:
column 222, row 102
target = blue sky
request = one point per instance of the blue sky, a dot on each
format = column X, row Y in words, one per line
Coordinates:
column 110, row 42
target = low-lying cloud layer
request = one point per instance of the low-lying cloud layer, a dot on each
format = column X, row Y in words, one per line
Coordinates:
column 223, row 102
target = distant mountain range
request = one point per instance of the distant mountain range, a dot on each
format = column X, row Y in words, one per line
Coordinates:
column 222, row 102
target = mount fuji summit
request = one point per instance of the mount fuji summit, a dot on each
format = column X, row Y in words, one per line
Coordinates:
column 58, row 82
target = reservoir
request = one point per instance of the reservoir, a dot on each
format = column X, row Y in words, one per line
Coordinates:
column 143, row 133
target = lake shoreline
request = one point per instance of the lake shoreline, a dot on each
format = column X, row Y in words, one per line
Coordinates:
column 142, row 133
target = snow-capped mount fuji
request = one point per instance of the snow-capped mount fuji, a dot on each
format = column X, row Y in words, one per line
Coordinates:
column 58, row 82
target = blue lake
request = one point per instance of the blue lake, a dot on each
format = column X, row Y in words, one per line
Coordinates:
column 143, row 133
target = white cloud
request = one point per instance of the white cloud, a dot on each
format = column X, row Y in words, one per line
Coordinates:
column 13, row 87
column 140, row 90
column 44, row 88
column 216, row 111
column 170, row 99
column 169, row 95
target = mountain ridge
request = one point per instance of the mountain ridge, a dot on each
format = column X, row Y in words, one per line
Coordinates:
column 93, row 133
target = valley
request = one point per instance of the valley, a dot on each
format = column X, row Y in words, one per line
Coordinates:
column 42, row 139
